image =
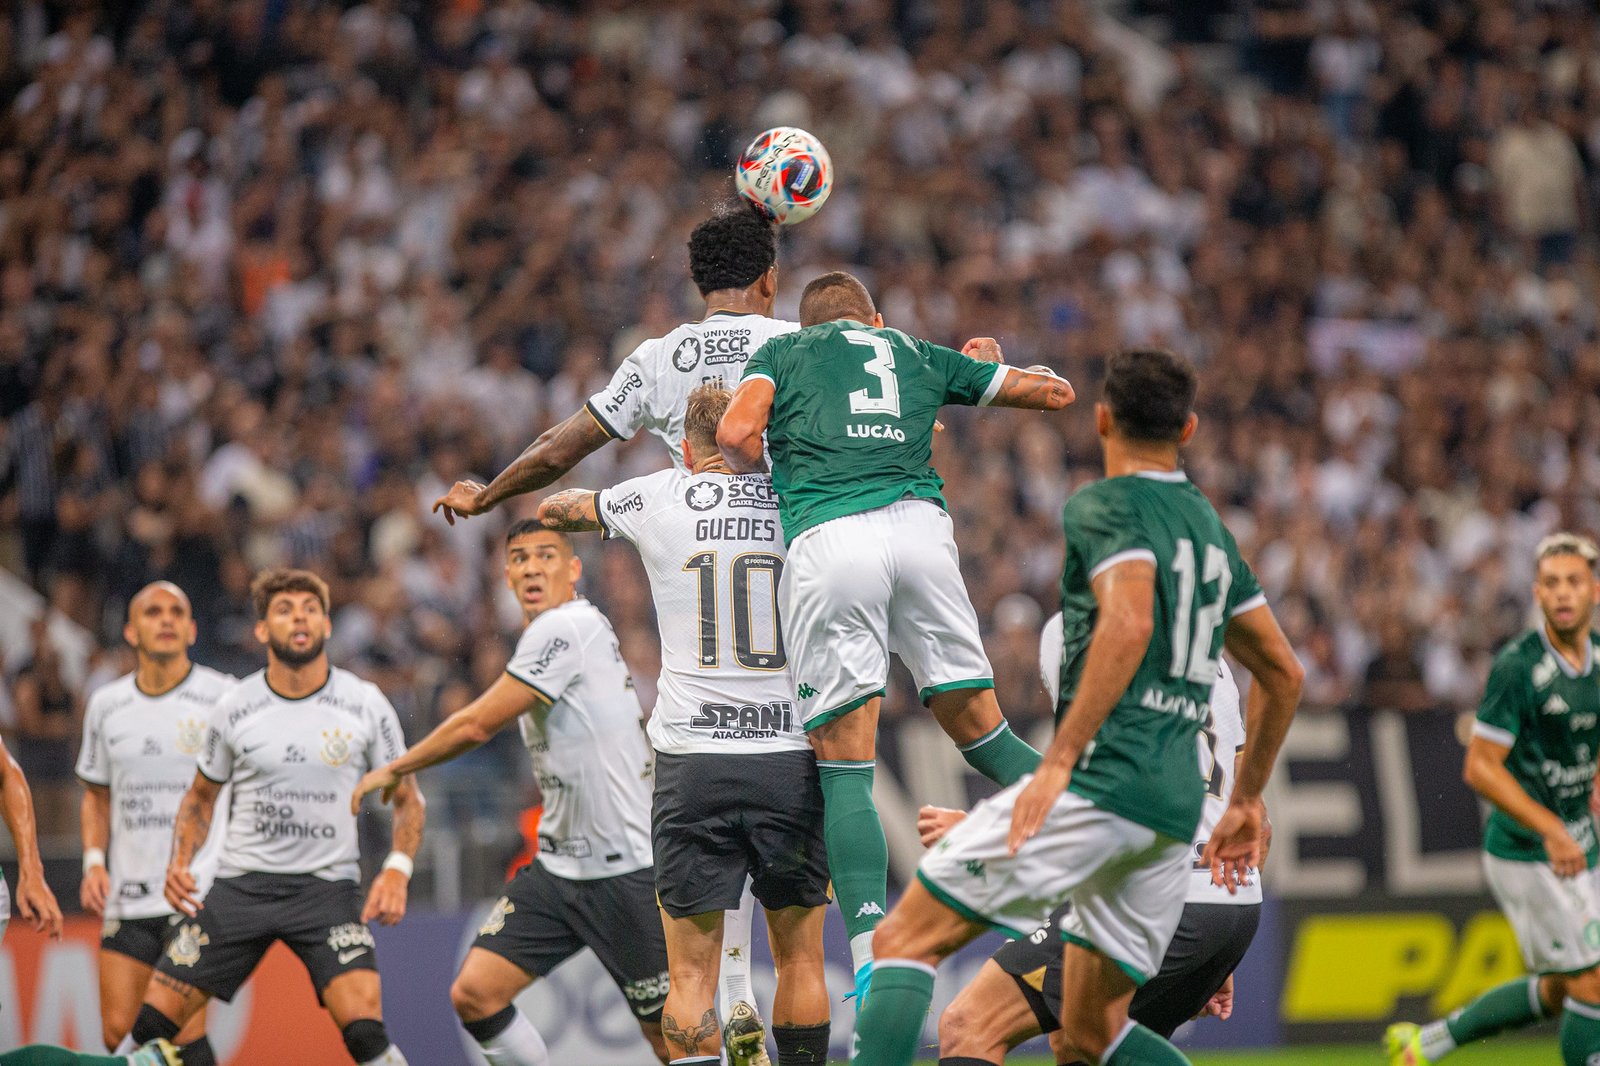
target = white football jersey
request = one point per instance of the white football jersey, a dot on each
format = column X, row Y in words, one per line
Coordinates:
column 294, row 764
column 1221, row 741
column 587, row 744
column 713, row 547
column 650, row 390
column 143, row 749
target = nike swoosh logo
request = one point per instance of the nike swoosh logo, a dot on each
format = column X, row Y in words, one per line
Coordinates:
column 642, row 1011
column 346, row 956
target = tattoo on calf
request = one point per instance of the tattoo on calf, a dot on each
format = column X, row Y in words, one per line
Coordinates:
column 689, row 1040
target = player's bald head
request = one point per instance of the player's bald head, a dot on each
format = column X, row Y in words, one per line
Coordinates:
column 152, row 590
column 836, row 295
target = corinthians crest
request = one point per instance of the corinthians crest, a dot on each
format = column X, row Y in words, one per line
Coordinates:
column 497, row 917
column 185, row 947
column 335, row 747
column 191, row 735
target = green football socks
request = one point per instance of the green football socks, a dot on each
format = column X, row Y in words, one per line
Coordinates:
column 1508, row 1006
column 1138, row 1046
column 858, row 855
column 1001, row 755
column 1580, row 1032
column 889, row 1028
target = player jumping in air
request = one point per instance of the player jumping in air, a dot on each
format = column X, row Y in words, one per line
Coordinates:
column 1532, row 757
column 1151, row 587
column 591, row 885
column 292, row 740
column 733, row 259
column 141, row 734
column 1016, row 995
column 848, row 410
column 737, row 793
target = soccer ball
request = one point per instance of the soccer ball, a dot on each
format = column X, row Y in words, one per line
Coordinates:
column 786, row 174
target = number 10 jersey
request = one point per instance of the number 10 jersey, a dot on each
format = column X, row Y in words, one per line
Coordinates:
column 713, row 548
column 1141, row 763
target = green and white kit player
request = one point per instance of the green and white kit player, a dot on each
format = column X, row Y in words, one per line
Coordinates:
column 1532, row 757
column 848, row 409
column 1151, row 588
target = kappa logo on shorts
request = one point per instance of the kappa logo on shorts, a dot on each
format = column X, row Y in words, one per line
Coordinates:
column 497, row 917
column 191, row 736
column 703, row 496
column 335, row 747
column 805, row 691
column 976, row 868
column 185, row 947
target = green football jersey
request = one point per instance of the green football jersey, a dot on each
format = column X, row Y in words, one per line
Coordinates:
column 1548, row 714
column 1144, row 762
column 852, row 417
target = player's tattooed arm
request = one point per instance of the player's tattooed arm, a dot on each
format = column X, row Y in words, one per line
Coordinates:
column 689, row 1040
column 189, row 834
column 557, row 450
column 572, row 511
column 1038, row 388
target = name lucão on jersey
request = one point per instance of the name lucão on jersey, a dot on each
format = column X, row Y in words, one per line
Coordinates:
column 874, row 432
column 1168, row 703
column 728, row 721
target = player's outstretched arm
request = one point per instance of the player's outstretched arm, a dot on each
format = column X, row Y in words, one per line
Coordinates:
column 1038, row 388
column 558, row 449
column 189, row 834
column 1485, row 771
column 469, row 727
column 34, row 900
column 1125, row 595
column 1255, row 639
column 95, row 818
column 571, row 511
column 386, row 902
column 743, row 424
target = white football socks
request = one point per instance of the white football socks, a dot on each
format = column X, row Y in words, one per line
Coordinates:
column 518, row 1044
column 733, row 982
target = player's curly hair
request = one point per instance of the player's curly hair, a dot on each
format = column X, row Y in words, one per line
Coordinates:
column 270, row 583
column 1151, row 393
column 731, row 249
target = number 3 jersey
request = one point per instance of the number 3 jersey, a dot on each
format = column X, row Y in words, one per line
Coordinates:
column 1221, row 740
column 713, row 548
column 294, row 764
column 586, row 740
column 1141, row 762
column 142, row 748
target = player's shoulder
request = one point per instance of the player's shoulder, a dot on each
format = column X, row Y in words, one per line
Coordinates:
column 572, row 621
column 244, row 698
column 645, row 491
column 355, row 693
column 1526, row 654
column 112, row 696
column 209, row 683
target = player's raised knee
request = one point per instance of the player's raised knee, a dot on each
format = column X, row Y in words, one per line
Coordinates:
column 471, row 1002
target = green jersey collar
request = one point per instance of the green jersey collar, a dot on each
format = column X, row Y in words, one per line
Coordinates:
column 1561, row 660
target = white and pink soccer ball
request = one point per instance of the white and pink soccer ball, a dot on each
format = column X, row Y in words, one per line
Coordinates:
column 786, row 174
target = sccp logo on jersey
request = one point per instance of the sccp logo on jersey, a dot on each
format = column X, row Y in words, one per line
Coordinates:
column 703, row 495
column 191, row 736
column 335, row 747
column 687, row 355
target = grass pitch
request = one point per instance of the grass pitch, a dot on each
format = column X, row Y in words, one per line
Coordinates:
column 1488, row 1053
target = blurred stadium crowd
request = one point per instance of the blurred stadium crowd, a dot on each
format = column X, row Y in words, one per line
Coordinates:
column 273, row 273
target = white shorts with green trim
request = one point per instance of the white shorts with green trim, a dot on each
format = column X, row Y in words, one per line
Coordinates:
column 1127, row 882
column 1556, row 919
column 859, row 587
